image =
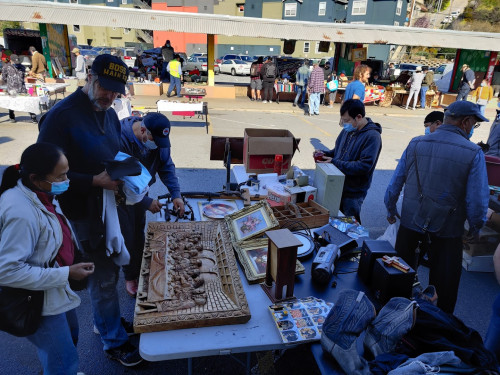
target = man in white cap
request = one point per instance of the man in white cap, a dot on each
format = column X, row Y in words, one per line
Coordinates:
column 416, row 84
column 80, row 72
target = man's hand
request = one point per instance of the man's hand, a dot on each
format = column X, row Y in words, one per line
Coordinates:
column 80, row 271
column 326, row 159
column 178, row 206
column 103, row 180
column 155, row 206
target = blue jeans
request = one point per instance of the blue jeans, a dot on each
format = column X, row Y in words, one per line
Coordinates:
column 463, row 92
column 104, row 299
column 492, row 340
column 301, row 90
column 56, row 340
column 314, row 102
column 482, row 108
column 423, row 91
column 351, row 207
column 174, row 82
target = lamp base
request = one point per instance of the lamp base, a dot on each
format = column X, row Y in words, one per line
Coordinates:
column 271, row 291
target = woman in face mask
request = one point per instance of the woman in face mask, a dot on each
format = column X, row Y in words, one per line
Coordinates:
column 483, row 94
column 37, row 250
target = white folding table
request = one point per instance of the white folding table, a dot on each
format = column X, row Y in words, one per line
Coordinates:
column 184, row 109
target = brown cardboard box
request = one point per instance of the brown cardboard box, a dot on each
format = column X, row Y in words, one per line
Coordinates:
column 261, row 145
column 485, row 245
column 148, row 89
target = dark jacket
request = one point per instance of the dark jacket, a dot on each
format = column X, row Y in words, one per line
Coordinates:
column 88, row 138
column 167, row 53
column 355, row 155
column 156, row 161
column 264, row 72
column 13, row 75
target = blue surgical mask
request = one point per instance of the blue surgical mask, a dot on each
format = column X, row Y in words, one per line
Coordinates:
column 483, row 84
column 498, row 104
column 348, row 127
column 470, row 134
column 428, row 130
column 150, row 145
column 57, row 188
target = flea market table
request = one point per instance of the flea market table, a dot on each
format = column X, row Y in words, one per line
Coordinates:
column 24, row 103
column 180, row 108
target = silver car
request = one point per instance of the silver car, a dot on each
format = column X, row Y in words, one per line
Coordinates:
column 199, row 62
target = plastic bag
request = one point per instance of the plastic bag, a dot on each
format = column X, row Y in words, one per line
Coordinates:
column 138, row 185
column 391, row 233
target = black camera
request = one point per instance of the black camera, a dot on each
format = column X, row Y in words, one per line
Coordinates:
column 324, row 263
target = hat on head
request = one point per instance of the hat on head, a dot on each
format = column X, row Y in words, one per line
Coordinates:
column 465, row 66
column 112, row 72
column 159, row 126
column 15, row 59
column 465, row 108
column 419, row 69
column 75, row 50
column 434, row 116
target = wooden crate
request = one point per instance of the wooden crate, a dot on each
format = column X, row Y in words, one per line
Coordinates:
column 310, row 213
column 189, row 278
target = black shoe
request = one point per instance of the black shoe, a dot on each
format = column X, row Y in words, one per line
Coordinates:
column 127, row 354
column 295, row 105
column 34, row 121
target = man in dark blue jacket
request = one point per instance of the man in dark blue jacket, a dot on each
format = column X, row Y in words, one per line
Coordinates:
column 148, row 140
column 356, row 153
column 88, row 130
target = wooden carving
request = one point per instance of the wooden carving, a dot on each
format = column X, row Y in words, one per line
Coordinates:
column 189, row 278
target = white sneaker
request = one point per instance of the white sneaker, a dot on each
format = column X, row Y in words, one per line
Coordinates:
column 270, row 101
column 413, row 108
column 264, row 101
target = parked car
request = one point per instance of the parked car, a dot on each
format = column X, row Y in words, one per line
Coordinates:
column 455, row 13
column 201, row 63
column 198, row 54
column 406, row 67
column 235, row 67
column 447, row 19
column 247, row 58
column 129, row 57
column 442, row 77
column 89, row 55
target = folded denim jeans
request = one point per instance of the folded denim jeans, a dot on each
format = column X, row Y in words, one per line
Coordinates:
column 394, row 320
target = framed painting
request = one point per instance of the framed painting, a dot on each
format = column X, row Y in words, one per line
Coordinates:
column 358, row 54
column 251, row 221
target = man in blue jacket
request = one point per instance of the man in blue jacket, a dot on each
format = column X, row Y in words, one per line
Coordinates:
column 356, row 153
column 148, row 140
column 447, row 170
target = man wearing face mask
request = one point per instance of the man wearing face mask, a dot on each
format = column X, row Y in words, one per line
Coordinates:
column 356, row 153
column 448, row 171
column 88, row 130
column 432, row 121
column 148, row 140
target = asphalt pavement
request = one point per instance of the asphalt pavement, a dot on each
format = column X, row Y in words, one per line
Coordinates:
column 190, row 152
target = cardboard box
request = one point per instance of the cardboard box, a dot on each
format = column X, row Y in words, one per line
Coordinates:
column 277, row 195
column 261, row 145
column 148, row 89
column 483, row 263
column 486, row 244
column 329, row 181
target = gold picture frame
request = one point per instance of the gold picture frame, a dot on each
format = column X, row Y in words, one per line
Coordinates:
column 358, row 54
column 250, row 221
column 252, row 255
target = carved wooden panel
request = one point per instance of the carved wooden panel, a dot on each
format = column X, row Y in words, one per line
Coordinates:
column 189, row 278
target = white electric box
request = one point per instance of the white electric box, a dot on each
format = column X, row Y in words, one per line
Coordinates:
column 329, row 181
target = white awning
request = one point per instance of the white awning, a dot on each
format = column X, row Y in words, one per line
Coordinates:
column 89, row 15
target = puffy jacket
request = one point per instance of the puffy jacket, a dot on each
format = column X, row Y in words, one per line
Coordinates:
column 30, row 237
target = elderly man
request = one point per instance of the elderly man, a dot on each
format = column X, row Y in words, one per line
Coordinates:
column 356, row 153
column 88, row 130
column 38, row 64
column 80, row 71
column 467, row 83
column 445, row 183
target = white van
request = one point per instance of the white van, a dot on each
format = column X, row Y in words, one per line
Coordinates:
column 442, row 77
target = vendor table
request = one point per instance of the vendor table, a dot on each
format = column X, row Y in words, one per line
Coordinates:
column 184, row 109
column 55, row 89
column 24, row 103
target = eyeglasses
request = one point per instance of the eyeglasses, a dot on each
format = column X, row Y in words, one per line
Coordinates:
column 476, row 125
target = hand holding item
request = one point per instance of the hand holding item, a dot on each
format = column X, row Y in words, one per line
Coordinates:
column 104, row 180
column 80, row 271
column 318, row 155
column 324, row 159
column 179, row 206
column 155, row 206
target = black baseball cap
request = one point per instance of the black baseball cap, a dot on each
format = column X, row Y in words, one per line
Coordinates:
column 112, row 72
column 434, row 116
column 159, row 126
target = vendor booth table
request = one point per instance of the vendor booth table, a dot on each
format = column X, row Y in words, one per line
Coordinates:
column 184, row 109
column 24, row 103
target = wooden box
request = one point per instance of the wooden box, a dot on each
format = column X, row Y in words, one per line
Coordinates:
column 148, row 89
column 189, row 278
column 310, row 213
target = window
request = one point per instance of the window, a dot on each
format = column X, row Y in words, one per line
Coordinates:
column 126, row 30
column 396, row 23
column 359, row 7
column 316, row 48
column 291, row 10
column 240, row 7
column 110, row 1
column 76, row 28
column 322, row 8
column 399, row 6
column 306, row 47
column 124, row 1
column 74, row 1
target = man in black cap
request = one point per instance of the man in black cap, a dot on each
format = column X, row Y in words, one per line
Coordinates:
column 148, row 140
column 445, row 181
column 88, row 130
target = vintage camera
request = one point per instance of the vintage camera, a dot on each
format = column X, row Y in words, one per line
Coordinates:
column 324, row 263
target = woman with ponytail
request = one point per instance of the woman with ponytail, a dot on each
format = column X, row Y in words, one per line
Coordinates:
column 37, row 249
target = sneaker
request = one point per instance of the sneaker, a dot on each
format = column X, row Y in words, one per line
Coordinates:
column 12, row 120
column 131, row 287
column 264, row 101
column 34, row 121
column 295, row 105
column 270, row 101
column 413, row 108
column 252, row 99
column 127, row 354
column 129, row 327
column 330, row 106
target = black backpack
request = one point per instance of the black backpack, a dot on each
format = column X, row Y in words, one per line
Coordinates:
column 254, row 69
column 271, row 70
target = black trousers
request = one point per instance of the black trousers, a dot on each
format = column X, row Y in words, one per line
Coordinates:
column 445, row 262
column 12, row 115
column 268, row 89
